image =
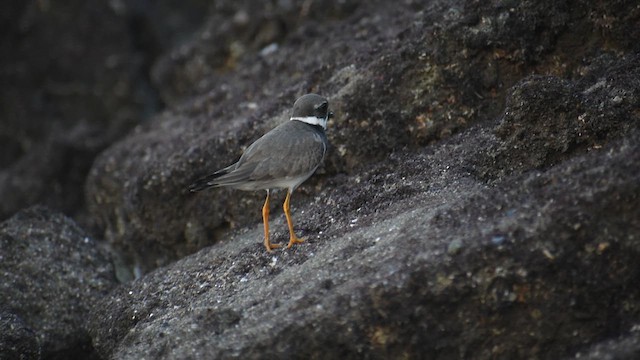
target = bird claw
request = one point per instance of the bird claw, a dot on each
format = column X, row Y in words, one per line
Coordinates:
column 271, row 246
column 294, row 240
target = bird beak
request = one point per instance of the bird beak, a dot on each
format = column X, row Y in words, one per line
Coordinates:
column 330, row 114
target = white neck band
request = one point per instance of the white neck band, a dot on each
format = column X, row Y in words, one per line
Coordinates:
column 312, row 120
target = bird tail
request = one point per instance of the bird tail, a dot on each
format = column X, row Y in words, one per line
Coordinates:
column 207, row 181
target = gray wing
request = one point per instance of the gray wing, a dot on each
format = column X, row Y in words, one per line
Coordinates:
column 292, row 150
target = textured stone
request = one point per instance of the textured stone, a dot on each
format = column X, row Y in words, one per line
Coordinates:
column 375, row 278
column 52, row 273
column 480, row 199
column 72, row 82
column 623, row 348
column 397, row 76
column 17, row 340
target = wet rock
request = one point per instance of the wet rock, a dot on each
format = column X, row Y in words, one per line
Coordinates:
column 52, row 273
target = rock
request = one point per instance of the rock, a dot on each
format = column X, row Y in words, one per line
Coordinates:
column 72, row 83
column 234, row 35
column 624, row 348
column 17, row 340
column 548, row 120
column 410, row 76
column 480, row 199
column 52, row 273
column 375, row 277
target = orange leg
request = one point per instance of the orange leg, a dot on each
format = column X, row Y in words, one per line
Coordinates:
column 293, row 239
column 265, row 221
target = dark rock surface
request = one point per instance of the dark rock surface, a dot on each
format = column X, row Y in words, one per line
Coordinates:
column 481, row 198
column 625, row 348
column 532, row 265
column 445, row 250
column 52, row 273
column 397, row 76
column 72, row 82
column 237, row 31
column 17, row 340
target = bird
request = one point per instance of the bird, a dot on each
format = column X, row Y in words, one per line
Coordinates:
column 283, row 158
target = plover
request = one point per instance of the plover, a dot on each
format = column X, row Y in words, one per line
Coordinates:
column 283, row 158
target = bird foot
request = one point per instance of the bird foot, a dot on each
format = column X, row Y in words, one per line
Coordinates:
column 270, row 246
column 294, row 240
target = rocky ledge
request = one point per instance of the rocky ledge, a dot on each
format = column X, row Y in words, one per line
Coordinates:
column 481, row 198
